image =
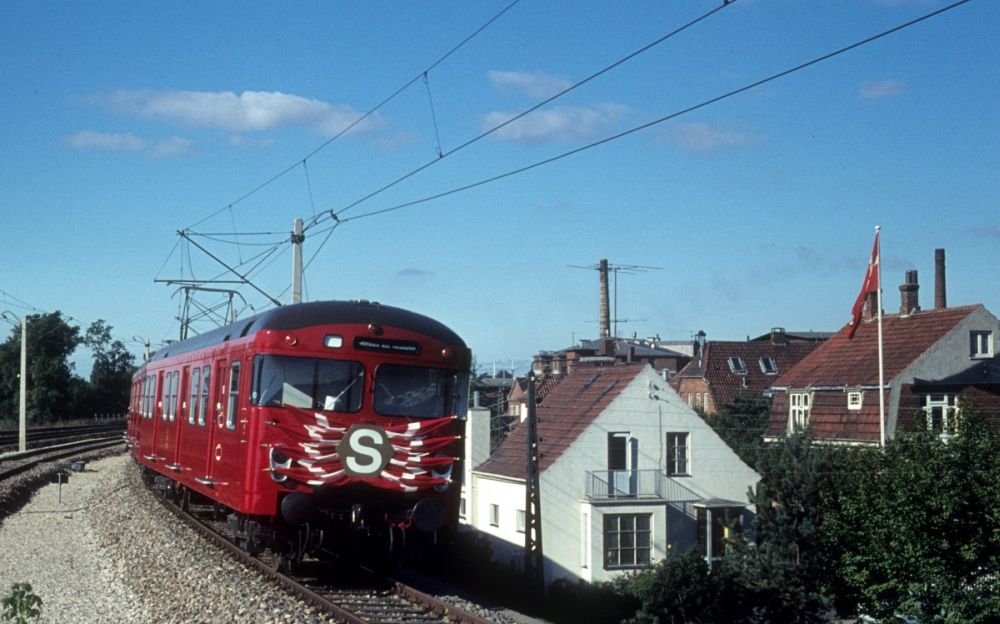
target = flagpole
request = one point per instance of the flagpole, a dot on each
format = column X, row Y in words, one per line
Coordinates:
column 881, row 364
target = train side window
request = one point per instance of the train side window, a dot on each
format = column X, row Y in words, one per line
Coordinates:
column 203, row 406
column 144, row 392
column 152, row 396
column 234, row 393
column 195, row 393
column 170, row 396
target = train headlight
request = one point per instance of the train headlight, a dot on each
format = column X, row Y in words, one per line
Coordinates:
column 331, row 341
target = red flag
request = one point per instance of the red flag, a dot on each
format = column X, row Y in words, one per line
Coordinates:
column 870, row 285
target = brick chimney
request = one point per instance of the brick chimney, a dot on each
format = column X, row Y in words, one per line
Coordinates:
column 940, row 296
column 909, row 300
column 605, row 307
column 871, row 304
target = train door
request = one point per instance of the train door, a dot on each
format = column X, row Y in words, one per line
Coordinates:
column 216, row 419
column 166, row 439
column 156, row 413
column 228, row 450
column 181, row 410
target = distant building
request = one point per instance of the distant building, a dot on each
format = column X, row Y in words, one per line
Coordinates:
column 721, row 371
column 666, row 357
column 629, row 473
column 931, row 359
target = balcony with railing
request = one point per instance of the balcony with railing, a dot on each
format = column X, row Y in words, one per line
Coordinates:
column 616, row 484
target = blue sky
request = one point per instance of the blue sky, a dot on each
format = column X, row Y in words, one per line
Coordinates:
column 125, row 122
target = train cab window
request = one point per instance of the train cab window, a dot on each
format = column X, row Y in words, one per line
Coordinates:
column 416, row 392
column 203, row 404
column 195, row 393
column 234, row 393
column 309, row 383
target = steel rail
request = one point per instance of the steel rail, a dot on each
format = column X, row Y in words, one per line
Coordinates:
column 436, row 607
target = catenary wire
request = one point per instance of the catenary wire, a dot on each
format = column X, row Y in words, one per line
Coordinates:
column 544, row 102
column 364, row 116
column 674, row 115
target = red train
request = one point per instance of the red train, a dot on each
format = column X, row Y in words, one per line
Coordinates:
column 310, row 422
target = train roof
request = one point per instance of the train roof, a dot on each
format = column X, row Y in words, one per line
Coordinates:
column 297, row 316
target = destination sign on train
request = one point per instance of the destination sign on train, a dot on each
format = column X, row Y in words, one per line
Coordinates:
column 404, row 347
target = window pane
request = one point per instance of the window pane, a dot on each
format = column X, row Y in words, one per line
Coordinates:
column 415, row 392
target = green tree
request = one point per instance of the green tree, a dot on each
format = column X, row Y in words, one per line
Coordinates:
column 683, row 589
column 741, row 424
column 51, row 341
column 786, row 568
column 111, row 375
column 919, row 533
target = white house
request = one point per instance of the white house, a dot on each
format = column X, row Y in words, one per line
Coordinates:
column 629, row 473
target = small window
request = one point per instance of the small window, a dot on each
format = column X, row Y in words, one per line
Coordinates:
column 677, row 454
column 461, row 507
column 737, row 365
column 520, row 521
column 798, row 414
column 494, row 515
column 980, row 344
column 854, row 400
column 768, row 366
column 941, row 411
column 234, row 393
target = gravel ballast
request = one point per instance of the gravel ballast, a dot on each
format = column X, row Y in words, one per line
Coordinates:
column 110, row 552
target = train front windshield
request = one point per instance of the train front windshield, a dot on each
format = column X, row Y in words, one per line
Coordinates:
column 310, row 383
column 415, row 392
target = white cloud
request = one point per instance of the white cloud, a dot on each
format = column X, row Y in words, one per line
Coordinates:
column 704, row 137
column 114, row 142
column 249, row 111
column 128, row 142
column 562, row 123
column 882, row 89
column 534, row 84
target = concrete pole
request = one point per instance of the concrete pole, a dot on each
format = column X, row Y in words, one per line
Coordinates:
column 297, row 238
column 22, row 443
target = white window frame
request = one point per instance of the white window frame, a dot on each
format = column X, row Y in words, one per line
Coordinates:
column 980, row 344
column 855, row 399
column 520, row 520
column 675, row 464
column 768, row 365
column 948, row 404
column 737, row 365
column 799, row 407
column 494, row 515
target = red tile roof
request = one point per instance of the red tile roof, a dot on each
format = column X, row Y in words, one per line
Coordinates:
column 842, row 363
column 852, row 362
column 569, row 409
column 726, row 385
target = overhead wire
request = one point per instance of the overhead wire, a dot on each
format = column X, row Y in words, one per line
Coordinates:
column 548, row 100
column 655, row 122
column 364, row 116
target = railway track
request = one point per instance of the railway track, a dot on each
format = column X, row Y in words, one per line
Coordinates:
column 41, row 436
column 13, row 464
column 346, row 591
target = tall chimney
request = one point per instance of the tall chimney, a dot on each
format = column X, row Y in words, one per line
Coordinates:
column 605, row 307
column 940, row 296
column 909, row 300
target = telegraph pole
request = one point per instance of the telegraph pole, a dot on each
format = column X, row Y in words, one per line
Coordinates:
column 22, row 428
column 534, row 562
column 297, row 238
